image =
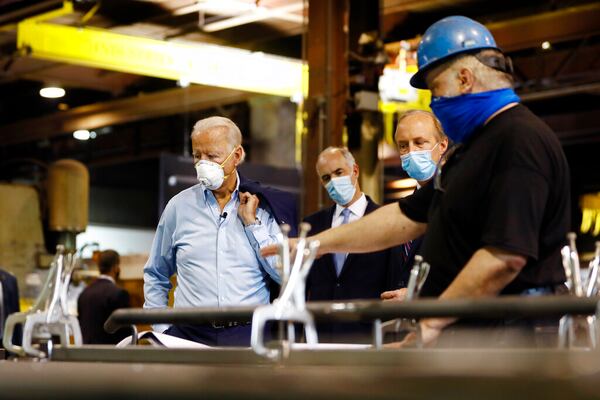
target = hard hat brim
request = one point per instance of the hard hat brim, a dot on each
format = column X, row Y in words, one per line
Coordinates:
column 418, row 79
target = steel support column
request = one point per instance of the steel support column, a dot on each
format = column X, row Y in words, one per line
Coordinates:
column 327, row 91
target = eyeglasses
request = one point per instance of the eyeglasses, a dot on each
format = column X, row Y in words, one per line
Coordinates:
column 437, row 178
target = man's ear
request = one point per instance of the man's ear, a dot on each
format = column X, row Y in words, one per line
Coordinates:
column 356, row 170
column 443, row 145
column 466, row 80
column 239, row 155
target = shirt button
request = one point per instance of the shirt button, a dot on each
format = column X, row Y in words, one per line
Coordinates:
column 222, row 298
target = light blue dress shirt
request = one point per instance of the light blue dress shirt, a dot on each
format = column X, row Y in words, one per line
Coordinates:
column 216, row 258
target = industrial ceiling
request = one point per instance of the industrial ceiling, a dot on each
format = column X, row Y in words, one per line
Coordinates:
column 562, row 82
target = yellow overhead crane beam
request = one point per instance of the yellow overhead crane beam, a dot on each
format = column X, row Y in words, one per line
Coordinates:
column 200, row 63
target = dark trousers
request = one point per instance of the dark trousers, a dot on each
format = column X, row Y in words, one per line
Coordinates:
column 210, row 336
column 519, row 332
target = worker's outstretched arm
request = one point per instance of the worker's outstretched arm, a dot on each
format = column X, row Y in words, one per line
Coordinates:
column 385, row 227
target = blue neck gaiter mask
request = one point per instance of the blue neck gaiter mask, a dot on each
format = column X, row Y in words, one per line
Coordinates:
column 462, row 115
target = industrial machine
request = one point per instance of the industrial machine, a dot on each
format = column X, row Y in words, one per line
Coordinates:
column 38, row 214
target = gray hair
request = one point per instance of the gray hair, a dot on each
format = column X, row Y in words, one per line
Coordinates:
column 488, row 77
column 436, row 122
column 234, row 136
column 345, row 152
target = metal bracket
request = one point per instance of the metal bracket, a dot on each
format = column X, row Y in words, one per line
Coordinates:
column 290, row 306
column 49, row 317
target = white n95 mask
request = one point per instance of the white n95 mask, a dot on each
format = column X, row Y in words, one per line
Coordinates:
column 211, row 174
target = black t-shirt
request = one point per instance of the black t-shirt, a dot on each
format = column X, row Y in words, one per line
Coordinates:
column 508, row 188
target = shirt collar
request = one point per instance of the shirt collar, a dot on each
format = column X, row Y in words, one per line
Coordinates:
column 107, row 277
column 235, row 192
column 357, row 208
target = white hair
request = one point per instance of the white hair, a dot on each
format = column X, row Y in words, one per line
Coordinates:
column 488, row 77
column 234, row 136
column 345, row 152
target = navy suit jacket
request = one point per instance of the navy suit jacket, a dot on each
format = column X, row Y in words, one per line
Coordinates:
column 10, row 303
column 363, row 276
column 281, row 205
column 94, row 306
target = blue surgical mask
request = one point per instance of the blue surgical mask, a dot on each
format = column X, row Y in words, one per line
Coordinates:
column 462, row 115
column 341, row 190
column 418, row 164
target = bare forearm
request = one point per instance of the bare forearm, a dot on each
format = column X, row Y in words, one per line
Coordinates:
column 383, row 228
column 486, row 274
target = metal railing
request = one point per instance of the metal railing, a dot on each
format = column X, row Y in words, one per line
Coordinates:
column 371, row 311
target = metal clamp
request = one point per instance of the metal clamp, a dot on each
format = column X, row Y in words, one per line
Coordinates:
column 49, row 316
column 571, row 325
column 418, row 275
column 290, row 306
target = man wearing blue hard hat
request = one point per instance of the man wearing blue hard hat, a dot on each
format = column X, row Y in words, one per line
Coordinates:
column 496, row 213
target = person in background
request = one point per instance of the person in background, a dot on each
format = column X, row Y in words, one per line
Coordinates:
column 421, row 143
column 344, row 276
column 98, row 301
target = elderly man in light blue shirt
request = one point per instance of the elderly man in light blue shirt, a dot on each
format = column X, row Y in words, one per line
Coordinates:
column 210, row 235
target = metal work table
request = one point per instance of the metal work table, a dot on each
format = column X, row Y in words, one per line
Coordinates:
column 388, row 374
column 497, row 307
column 100, row 372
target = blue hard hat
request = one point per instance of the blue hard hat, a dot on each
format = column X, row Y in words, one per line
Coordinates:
column 446, row 38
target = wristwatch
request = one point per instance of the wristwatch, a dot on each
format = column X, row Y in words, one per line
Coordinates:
column 256, row 222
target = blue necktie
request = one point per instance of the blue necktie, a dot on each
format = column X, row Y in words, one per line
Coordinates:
column 339, row 258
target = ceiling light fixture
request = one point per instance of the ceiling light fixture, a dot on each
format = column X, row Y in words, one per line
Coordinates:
column 546, row 45
column 81, row 134
column 218, row 7
column 52, row 92
column 402, row 184
column 183, row 82
column 286, row 13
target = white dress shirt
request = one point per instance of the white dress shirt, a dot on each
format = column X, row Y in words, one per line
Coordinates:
column 357, row 210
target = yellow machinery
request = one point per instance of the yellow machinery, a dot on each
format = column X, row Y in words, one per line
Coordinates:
column 21, row 233
column 68, row 200
column 22, row 245
column 590, row 208
column 201, row 63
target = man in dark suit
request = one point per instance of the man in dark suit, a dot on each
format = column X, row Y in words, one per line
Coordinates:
column 348, row 276
column 9, row 303
column 100, row 299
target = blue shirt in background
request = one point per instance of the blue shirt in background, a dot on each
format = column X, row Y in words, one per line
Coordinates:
column 216, row 258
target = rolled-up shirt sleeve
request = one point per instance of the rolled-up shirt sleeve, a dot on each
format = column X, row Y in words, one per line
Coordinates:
column 261, row 235
column 416, row 206
column 161, row 265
